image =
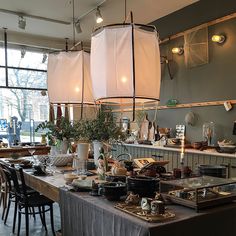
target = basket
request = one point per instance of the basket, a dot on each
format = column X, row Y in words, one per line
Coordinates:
column 62, row 159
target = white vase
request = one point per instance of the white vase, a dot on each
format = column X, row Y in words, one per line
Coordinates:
column 96, row 150
column 82, row 151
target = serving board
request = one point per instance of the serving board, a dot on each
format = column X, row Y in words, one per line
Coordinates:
column 137, row 212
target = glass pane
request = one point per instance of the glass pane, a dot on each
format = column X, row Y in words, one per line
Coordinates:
column 26, row 59
column 2, row 54
column 29, row 109
column 2, row 77
column 27, row 78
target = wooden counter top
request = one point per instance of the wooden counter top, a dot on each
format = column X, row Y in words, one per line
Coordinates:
column 211, row 152
column 23, row 151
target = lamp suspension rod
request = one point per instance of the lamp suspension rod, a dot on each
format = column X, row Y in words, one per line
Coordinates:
column 5, row 47
column 133, row 61
column 35, row 17
column 125, row 12
column 88, row 12
column 73, row 23
column 82, row 94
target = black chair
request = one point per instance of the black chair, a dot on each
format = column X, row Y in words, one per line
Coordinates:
column 11, row 194
column 26, row 202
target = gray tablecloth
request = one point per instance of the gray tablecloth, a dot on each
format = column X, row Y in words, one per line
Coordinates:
column 84, row 215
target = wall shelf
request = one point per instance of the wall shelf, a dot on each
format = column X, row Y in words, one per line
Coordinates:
column 185, row 105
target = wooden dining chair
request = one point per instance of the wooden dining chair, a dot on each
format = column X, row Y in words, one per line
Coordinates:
column 26, row 202
column 4, row 192
column 11, row 194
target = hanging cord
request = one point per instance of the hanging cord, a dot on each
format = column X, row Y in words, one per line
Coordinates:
column 73, row 24
column 125, row 11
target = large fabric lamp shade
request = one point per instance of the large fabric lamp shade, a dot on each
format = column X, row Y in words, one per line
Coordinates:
column 69, row 79
column 125, row 65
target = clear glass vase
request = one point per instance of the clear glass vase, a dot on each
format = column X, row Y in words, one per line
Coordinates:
column 208, row 131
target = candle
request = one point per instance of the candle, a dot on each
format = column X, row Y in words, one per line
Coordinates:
column 182, row 149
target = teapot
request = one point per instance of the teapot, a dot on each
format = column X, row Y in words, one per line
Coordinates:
column 118, row 169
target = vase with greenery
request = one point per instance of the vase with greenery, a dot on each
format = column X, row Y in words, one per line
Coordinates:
column 59, row 133
column 102, row 129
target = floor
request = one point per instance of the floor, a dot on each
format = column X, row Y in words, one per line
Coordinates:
column 36, row 228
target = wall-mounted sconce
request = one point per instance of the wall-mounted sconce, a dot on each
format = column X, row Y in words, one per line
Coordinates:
column 178, row 50
column 218, row 38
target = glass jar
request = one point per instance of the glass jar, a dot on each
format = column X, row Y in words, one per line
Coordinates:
column 208, row 131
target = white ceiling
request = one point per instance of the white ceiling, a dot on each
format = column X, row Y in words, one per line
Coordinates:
column 145, row 11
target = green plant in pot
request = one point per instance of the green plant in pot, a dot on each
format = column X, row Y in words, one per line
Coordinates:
column 59, row 134
column 102, row 129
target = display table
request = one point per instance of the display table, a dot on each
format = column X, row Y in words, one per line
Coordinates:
column 85, row 215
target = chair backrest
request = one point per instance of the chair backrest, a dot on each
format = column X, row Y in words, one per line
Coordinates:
column 5, row 176
column 19, row 183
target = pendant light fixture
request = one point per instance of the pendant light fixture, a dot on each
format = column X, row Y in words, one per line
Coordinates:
column 69, row 79
column 125, row 65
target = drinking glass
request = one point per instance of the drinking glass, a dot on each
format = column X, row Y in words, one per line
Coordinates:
column 33, row 158
column 49, row 162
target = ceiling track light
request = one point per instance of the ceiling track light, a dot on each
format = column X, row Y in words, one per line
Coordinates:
column 99, row 18
column 45, row 56
column 22, row 52
column 21, row 22
column 35, row 17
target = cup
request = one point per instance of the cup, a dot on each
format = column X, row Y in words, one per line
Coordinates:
column 145, row 205
column 177, row 173
column 80, row 166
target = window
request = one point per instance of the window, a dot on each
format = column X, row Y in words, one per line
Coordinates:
column 23, row 77
column 43, row 112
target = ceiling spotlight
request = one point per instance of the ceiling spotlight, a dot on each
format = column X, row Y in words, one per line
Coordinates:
column 45, row 56
column 218, row 38
column 22, row 52
column 21, row 22
column 99, row 18
column 78, row 27
column 178, row 50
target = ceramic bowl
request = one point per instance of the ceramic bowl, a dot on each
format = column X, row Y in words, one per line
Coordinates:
column 143, row 186
column 69, row 177
column 228, row 148
column 113, row 191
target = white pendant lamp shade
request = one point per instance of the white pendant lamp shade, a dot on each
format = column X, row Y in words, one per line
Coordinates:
column 69, row 78
column 112, row 57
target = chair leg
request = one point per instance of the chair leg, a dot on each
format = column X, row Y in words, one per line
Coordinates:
column 27, row 220
column 4, row 204
column 52, row 220
column 19, row 223
column 40, row 214
column 14, row 218
column 8, row 208
column 44, row 218
column 33, row 212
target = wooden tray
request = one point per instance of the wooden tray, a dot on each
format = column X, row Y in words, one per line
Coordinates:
column 137, row 212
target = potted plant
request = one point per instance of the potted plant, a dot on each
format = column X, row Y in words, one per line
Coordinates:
column 102, row 129
column 59, row 134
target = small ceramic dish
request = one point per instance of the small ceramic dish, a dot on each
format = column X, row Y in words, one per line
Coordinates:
column 69, row 177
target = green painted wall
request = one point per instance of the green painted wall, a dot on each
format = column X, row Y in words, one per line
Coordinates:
column 210, row 82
